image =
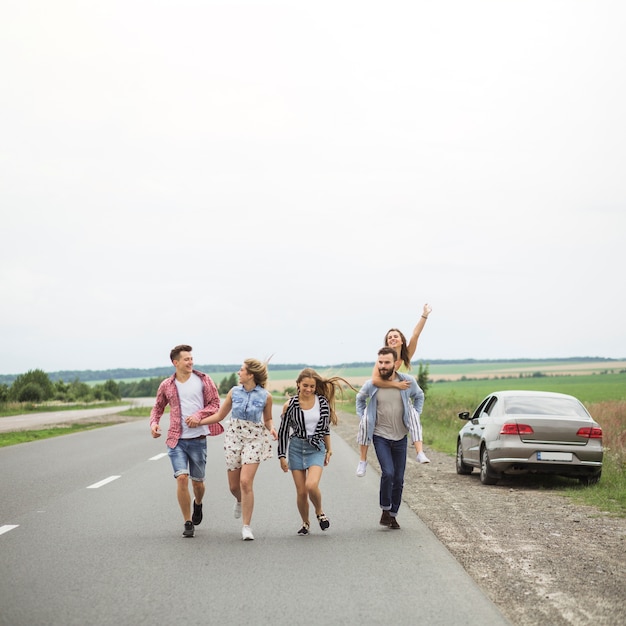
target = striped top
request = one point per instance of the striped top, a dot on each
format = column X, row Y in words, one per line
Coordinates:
column 292, row 424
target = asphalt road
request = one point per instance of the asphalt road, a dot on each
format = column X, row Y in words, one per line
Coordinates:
column 90, row 533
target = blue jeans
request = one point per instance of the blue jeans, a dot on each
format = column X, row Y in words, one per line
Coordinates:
column 189, row 457
column 392, row 458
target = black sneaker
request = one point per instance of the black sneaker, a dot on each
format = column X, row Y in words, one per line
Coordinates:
column 394, row 524
column 385, row 519
column 324, row 521
column 305, row 529
column 189, row 531
column 196, row 518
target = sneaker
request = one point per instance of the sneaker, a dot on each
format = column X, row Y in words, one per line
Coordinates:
column 385, row 519
column 360, row 470
column 246, row 533
column 237, row 510
column 189, row 531
column 324, row 521
column 422, row 458
column 305, row 529
column 394, row 524
column 196, row 518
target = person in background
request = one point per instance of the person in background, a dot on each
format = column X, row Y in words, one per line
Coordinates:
column 304, row 445
column 388, row 415
column 191, row 396
column 246, row 442
column 405, row 351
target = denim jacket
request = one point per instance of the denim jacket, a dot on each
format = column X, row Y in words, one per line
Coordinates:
column 248, row 405
column 412, row 399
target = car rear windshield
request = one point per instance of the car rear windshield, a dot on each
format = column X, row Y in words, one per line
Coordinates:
column 567, row 407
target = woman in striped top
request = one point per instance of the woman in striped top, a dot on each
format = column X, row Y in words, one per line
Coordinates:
column 304, row 440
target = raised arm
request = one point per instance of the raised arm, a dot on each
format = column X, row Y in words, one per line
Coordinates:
column 417, row 331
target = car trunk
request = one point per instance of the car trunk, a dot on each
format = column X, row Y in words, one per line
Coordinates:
column 553, row 430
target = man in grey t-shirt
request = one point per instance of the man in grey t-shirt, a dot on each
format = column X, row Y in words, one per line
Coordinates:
column 388, row 415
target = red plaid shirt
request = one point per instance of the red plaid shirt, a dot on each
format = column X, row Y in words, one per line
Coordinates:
column 168, row 394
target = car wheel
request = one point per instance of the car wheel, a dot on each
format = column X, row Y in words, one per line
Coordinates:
column 591, row 479
column 487, row 475
column 461, row 468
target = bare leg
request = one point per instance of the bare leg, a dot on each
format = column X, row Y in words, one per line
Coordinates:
column 198, row 490
column 312, row 487
column 364, row 452
column 247, row 494
column 234, row 483
column 302, row 497
column 182, row 493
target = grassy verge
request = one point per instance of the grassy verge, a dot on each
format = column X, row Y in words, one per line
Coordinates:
column 137, row 411
column 24, row 436
column 21, row 408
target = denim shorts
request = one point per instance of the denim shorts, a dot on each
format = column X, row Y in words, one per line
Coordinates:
column 189, row 457
column 301, row 454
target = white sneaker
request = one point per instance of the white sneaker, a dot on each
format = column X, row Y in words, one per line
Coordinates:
column 246, row 533
column 360, row 470
column 237, row 510
column 422, row 458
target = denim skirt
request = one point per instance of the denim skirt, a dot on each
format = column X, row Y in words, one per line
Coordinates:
column 302, row 455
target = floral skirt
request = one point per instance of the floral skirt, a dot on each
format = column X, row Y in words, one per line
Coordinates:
column 246, row 443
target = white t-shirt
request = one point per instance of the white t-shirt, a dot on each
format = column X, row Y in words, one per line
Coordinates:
column 191, row 401
column 312, row 417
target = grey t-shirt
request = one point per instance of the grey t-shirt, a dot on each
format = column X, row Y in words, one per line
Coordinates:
column 389, row 412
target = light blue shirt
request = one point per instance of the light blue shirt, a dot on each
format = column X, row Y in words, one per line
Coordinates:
column 412, row 400
column 249, row 405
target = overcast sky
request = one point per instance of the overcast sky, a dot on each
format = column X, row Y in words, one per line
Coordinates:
column 294, row 178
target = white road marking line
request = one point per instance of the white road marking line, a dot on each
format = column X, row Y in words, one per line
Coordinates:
column 157, row 457
column 7, row 527
column 110, row 479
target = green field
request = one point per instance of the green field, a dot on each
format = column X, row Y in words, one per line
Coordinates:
column 587, row 388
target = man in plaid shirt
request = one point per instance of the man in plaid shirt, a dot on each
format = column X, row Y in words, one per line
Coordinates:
column 192, row 396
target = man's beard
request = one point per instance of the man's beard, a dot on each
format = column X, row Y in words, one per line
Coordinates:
column 385, row 374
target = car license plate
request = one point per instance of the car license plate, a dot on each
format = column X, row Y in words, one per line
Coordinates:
column 554, row 456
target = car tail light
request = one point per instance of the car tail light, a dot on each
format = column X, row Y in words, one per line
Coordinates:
column 591, row 432
column 516, row 429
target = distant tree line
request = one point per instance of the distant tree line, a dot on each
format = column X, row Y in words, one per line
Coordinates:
column 39, row 386
column 36, row 386
column 164, row 372
column 148, row 387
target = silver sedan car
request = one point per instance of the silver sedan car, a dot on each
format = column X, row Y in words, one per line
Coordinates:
column 520, row 432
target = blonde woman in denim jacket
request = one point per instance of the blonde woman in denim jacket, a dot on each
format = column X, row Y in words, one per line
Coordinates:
column 246, row 441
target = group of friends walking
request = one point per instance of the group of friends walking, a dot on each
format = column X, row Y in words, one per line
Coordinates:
column 389, row 405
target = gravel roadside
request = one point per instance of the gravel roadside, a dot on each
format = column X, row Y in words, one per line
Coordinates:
column 539, row 557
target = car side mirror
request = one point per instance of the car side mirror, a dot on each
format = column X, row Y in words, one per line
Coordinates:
column 464, row 415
